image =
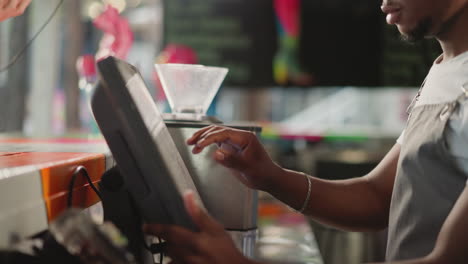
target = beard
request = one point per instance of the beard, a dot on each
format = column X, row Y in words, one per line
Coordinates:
column 424, row 27
column 419, row 33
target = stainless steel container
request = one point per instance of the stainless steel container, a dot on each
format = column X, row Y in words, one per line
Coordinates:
column 228, row 201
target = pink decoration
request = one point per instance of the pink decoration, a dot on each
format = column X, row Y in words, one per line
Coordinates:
column 118, row 36
column 173, row 53
column 288, row 13
column 86, row 66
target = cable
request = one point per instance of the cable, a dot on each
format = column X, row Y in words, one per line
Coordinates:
column 156, row 248
column 28, row 44
column 161, row 254
column 76, row 172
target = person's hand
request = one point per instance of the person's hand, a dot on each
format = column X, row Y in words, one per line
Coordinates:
column 240, row 151
column 12, row 8
column 210, row 245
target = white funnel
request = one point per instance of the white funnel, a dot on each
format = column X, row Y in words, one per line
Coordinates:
column 190, row 88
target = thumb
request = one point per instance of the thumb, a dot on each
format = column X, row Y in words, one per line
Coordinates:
column 199, row 216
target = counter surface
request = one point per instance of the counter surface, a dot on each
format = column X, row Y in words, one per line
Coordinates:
column 35, row 178
column 34, row 182
column 285, row 236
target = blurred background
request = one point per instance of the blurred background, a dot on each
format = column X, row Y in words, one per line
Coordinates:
column 328, row 80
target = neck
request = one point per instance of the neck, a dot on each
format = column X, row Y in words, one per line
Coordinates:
column 453, row 38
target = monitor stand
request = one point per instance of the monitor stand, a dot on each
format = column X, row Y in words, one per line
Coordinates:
column 120, row 209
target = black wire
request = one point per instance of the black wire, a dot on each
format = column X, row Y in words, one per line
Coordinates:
column 156, row 248
column 80, row 170
column 161, row 254
column 28, row 44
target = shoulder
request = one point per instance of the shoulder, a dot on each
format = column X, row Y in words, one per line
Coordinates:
column 444, row 80
column 401, row 138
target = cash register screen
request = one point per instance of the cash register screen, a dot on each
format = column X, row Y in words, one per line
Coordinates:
column 139, row 140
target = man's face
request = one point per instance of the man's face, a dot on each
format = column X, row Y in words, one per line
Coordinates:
column 417, row 19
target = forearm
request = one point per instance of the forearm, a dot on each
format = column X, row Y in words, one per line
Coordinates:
column 346, row 204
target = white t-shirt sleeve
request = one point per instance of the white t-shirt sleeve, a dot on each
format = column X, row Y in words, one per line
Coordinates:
column 457, row 137
column 401, row 138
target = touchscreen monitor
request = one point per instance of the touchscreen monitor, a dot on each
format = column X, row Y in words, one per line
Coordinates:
column 139, row 140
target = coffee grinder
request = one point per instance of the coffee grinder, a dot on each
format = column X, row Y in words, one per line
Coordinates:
column 190, row 90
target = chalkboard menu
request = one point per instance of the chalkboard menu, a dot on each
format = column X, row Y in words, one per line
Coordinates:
column 342, row 42
column 349, row 43
column 237, row 34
